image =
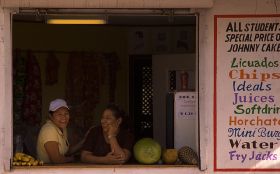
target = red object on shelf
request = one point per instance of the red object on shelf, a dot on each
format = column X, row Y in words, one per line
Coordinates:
column 184, row 80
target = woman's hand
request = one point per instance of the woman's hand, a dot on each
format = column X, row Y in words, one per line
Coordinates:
column 112, row 158
column 113, row 129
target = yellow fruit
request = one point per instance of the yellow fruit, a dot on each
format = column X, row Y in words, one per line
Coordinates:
column 35, row 163
column 25, row 159
column 14, row 159
column 18, row 158
column 169, row 156
column 30, row 157
column 19, row 155
column 41, row 162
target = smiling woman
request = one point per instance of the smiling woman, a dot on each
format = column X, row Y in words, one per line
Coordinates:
column 109, row 143
column 52, row 144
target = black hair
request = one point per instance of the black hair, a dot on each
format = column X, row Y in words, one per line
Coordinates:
column 119, row 113
column 116, row 110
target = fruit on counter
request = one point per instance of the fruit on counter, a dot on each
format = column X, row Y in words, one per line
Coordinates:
column 187, row 155
column 169, row 156
column 22, row 159
column 147, row 151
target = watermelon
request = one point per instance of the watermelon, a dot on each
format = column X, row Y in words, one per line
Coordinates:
column 147, row 151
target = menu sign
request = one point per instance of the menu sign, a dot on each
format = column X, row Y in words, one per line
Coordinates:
column 247, row 93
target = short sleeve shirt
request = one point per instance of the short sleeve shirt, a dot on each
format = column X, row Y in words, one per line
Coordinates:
column 50, row 132
column 96, row 143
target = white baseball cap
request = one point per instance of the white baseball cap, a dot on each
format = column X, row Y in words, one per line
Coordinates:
column 57, row 103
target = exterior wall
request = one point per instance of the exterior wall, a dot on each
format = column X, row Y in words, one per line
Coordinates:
column 107, row 3
column 206, row 49
column 107, row 170
column 206, row 64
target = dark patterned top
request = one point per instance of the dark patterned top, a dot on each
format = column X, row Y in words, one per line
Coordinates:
column 96, row 143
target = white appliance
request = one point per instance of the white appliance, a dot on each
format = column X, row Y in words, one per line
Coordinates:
column 181, row 120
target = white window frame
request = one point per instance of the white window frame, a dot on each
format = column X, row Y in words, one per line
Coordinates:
column 5, row 89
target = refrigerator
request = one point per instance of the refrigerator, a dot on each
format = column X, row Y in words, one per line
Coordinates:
column 181, row 123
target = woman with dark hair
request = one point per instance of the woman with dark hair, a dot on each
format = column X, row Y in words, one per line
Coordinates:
column 109, row 143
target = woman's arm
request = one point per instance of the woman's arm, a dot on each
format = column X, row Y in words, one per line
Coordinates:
column 53, row 153
column 79, row 145
column 115, row 147
column 123, row 153
column 110, row 158
column 74, row 148
column 88, row 157
column 112, row 137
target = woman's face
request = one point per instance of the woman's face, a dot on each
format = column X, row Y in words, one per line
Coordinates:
column 60, row 117
column 108, row 119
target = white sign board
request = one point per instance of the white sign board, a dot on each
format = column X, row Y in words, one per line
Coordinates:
column 247, row 93
column 185, row 105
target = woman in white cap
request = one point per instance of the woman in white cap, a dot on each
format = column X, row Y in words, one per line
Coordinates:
column 52, row 143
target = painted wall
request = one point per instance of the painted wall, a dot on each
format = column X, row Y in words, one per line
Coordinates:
column 206, row 55
column 63, row 38
column 108, row 3
column 206, row 47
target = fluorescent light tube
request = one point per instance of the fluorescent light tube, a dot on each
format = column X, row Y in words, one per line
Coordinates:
column 76, row 21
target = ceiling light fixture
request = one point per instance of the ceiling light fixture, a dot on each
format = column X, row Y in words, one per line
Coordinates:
column 76, row 21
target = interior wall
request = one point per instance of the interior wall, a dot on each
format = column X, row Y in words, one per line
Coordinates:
column 103, row 39
column 162, row 64
column 68, row 38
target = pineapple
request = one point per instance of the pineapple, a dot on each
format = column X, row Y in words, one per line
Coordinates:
column 187, row 155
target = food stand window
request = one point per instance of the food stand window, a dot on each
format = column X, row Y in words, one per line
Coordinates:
column 170, row 36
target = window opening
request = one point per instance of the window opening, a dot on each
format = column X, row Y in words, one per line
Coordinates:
column 103, row 54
